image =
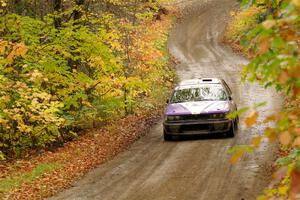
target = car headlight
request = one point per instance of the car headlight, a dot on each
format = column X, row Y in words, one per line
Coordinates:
column 219, row 116
column 173, row 118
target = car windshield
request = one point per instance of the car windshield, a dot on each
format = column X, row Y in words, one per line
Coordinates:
column 207, row 92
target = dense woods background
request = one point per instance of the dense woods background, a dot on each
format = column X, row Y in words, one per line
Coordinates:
column 68, row 65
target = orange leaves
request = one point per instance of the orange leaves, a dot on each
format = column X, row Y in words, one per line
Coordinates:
column 295, row 72
column 263, row 47
column 286, row 75
column 296, row 92
column 19, row 49
column 295, row 185
column 283, row 77
column 251, row 119
column 285, row 138
column 297, row 131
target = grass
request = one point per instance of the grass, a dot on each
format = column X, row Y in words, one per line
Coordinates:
column 10, row 183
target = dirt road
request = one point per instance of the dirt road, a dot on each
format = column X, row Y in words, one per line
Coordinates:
column 195, row 169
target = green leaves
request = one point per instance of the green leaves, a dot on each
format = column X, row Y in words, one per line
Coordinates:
column 274, row 48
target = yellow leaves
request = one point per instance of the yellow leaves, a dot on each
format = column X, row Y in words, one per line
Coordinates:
column 251, row 119
column 3, row 121
column 270, row 118
column 269, row 23
column 296, row 2
column 3, row 3
column 256, row 141
column 36, row 75
column 296, row 142
column 19, row 49
column 24, row 128
column 285, row 138
column 3, row 46
column 5, row 98
column 270, row 133
column 283, row 190
column 236, row 156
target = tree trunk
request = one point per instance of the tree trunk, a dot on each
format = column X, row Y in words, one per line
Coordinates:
column 57, row 6
column 77, row 13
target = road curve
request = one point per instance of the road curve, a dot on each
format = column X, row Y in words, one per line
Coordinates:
column 196, row 169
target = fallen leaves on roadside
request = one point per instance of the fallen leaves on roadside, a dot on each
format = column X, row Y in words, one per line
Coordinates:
column 77, row 157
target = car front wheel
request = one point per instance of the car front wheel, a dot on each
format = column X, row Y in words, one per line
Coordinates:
column 167, row 137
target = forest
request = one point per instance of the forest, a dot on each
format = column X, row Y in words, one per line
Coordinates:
column 66, row 66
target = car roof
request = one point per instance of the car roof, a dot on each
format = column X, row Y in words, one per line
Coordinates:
column 199, row 81
column 194, row 83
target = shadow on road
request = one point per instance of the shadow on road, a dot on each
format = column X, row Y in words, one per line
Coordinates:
column 183, row 138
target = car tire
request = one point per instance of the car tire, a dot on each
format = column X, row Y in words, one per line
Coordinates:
column 231, row 132
column 236, row 123
column 167, row 137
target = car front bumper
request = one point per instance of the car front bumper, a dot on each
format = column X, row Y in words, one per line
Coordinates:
column 197, row 127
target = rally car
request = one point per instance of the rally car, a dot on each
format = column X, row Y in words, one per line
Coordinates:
column 200, row 106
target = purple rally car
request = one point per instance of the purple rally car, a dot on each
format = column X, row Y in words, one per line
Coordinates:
column 200, row 106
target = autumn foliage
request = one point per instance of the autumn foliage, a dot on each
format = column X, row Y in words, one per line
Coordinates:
column 273, row 43
column 76, row 65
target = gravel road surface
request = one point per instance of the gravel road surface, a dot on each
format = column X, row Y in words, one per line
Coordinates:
column 195, row 168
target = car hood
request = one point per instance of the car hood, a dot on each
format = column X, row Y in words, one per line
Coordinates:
column 198, row 107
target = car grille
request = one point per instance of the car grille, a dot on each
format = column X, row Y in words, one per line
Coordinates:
column 197, row 127
column 197, row 117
